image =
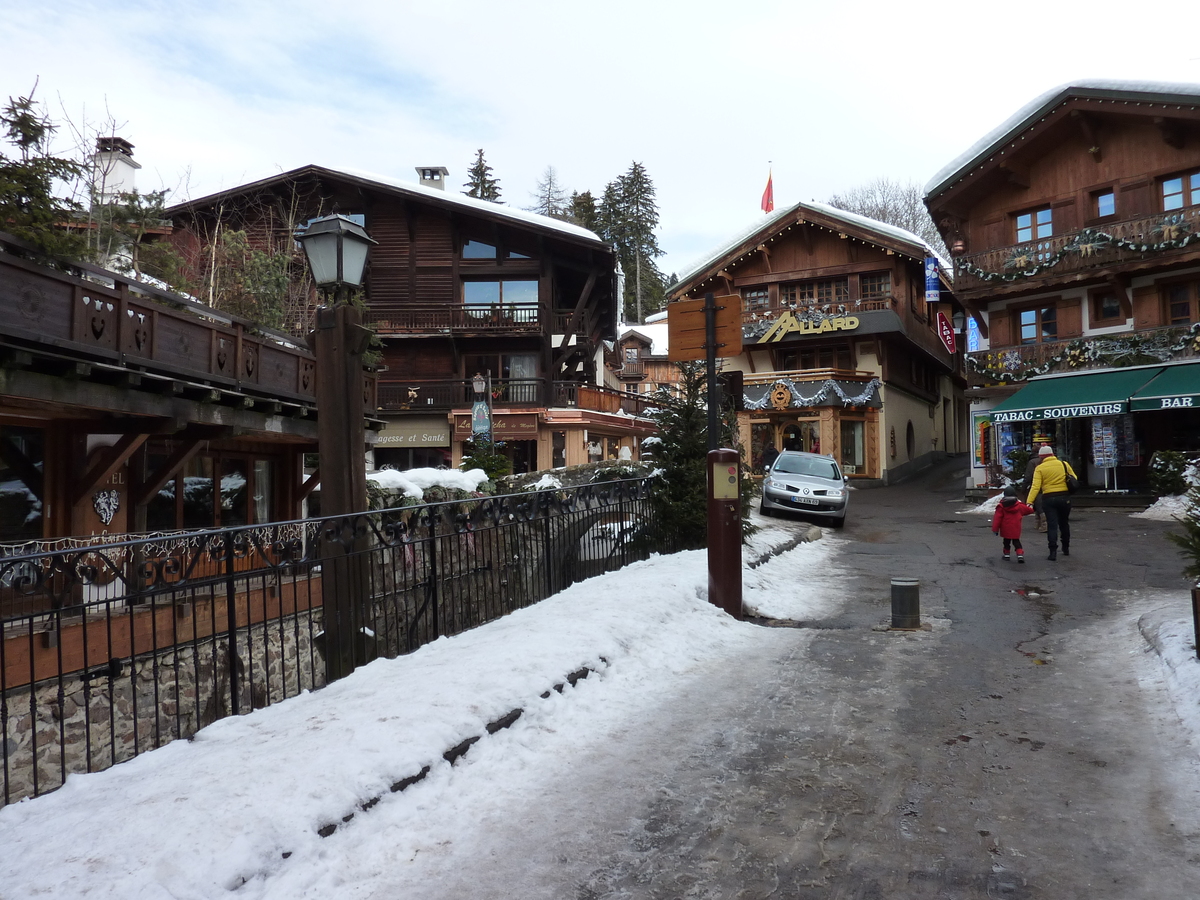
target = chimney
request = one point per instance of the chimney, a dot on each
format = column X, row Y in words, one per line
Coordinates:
column 433, row 176
column 114, row 170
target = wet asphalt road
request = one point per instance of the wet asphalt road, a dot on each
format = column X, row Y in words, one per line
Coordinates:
column 1020, row 748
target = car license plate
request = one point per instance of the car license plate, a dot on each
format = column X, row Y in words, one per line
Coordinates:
column 808, row 501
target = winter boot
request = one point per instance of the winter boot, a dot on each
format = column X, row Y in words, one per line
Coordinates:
column 1066, row 549
column 1041, row 522
column 1006, row 556
column 1021, row 555
column 1053, row 552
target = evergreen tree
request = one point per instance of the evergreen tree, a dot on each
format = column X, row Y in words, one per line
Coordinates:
column 582, row 211
column 680, row 450
column 29, row 179
column 121, row 227
column 628, row 218
column 482, row 185
column 1189, row 541
column 550, row 198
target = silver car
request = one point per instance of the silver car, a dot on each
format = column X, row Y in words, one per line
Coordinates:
column 807, row 483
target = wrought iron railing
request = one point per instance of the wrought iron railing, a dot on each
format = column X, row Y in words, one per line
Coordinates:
column 110, row 650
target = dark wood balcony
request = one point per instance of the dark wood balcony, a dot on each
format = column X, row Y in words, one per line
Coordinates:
column 1142, row 241
column 90, row 314
column 1010, row 365
column 507, row 319
column 441, row 395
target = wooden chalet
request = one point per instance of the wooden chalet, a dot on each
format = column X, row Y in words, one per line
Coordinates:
column 842, row 354
column 1075, row 228
column 458, row 287
column 128, row 408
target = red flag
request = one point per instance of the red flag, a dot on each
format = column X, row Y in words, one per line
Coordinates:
column 768, row 197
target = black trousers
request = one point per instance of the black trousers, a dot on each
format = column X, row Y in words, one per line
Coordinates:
column 1058, row 517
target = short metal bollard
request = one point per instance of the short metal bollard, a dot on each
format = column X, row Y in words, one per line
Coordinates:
column 906, row 603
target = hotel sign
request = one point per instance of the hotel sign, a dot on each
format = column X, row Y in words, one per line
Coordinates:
column 789, row 324
column 1061, row 412
column 519, row 427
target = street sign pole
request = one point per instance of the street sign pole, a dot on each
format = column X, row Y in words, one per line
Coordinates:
column 710, row 346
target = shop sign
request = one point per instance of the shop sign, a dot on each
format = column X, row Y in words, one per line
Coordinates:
column 1060, row 412
column 415, row 433
column 945, row 332
column 522, row 427
column 789, row 324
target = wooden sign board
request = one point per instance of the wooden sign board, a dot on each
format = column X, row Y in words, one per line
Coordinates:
column 685, row 328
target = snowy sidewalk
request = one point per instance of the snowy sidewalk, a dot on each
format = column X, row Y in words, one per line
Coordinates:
column 250, row 797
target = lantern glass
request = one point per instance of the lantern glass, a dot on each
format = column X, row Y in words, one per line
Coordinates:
column 322, row 252
column 354, row 259
column 479, row 384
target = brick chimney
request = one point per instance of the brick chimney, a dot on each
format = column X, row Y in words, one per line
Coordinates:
column 433, row 176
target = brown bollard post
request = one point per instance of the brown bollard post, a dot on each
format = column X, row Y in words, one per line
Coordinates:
column 725, row 531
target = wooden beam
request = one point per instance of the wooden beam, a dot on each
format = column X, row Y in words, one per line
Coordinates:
column 1017, row 173
column 108, row 461
column 1173, row 134
column 19, row 463
column 580, row 307
column 766, row 253
column 1087, row 128
column 154, row 483
column 309, row 483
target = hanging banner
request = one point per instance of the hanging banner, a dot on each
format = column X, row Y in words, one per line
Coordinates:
column 481, row 417
column 933, row 287
column 946, row 332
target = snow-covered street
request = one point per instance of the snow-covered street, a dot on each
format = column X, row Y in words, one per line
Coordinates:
column 693, row 756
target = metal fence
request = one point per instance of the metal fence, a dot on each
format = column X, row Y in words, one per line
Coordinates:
column 109, row 650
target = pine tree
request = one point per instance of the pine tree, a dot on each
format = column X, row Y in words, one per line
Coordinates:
column 1189, row 541
column 550, row 198
column 581, row 211
column 628, row 218
column 29, row 208
column 482, row 185
column 680, row 451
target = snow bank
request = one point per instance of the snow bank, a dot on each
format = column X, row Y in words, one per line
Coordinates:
column 414, row 482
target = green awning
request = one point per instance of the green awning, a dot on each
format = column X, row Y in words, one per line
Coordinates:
column 1175, row 387
column 1104, row 393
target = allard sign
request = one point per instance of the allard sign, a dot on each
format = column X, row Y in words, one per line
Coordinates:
column 789, row 324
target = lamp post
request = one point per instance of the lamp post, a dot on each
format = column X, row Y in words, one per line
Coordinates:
column 336, row 248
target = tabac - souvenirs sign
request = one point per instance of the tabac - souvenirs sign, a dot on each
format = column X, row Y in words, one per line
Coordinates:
column 788, row 323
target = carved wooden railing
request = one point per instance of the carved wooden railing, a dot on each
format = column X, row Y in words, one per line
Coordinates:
column 1099, row 245
column 94, row 315
column 1008, row 365
column 434, row 319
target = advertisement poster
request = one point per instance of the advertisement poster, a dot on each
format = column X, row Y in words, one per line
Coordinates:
column 932, row 284
column 983, row 425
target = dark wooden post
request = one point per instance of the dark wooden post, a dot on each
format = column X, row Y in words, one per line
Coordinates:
column 339, row 342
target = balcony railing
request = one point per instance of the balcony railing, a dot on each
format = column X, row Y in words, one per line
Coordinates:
column 441, row 395
column 1007, row 365
column 1109, row 244
column 633, row 368
column 508, row 318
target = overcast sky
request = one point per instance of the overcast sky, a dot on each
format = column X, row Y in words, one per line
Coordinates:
column 705, row 94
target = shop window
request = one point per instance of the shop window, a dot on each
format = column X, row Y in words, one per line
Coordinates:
column 213, row 492
column 1037, row 324
column 20, row 509
column 1181, row 191
column 875, row 286
column 853, row 460
column 1181, row 300
column 1106, row 307
column 755, row 301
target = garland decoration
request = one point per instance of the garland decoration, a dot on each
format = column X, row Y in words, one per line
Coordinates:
column 1027, row 260
column 799, row 400
column 1010, row 365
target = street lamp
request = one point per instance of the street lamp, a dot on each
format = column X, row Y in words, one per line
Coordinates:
column 336, row 247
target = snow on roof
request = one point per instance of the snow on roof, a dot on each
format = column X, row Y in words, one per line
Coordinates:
column 762, row 225
column 655, row 332
column 410, row 187
column 1016, row 122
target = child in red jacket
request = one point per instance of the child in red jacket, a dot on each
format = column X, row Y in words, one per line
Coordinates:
column 1007, row 521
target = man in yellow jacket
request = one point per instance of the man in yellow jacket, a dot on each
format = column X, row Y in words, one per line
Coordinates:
column 1050, row 480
